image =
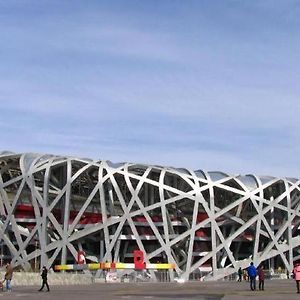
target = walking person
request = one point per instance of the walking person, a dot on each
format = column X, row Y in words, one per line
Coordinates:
column 8, row 276
column 296, row 273
column 45, row 279
column 252, row 273
column 261, row 278
column 240, row 273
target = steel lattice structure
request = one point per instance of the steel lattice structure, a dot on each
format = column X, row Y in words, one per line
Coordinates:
column 51, row 207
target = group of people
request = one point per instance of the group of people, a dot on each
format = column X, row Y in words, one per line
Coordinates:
column 9, row 275
column 252, row 273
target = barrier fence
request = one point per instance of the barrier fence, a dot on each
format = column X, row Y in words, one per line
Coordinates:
column 113, row 266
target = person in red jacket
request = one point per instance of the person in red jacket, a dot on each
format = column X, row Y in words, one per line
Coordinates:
column 261, row 278
column 296, row 273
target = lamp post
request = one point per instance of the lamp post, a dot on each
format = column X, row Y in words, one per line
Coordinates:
column 35, row 258
column 1, row 259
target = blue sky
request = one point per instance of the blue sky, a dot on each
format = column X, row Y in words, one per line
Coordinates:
column 210, row 85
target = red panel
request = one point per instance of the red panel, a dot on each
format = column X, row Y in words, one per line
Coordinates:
column 27, row 212
column 201, row 217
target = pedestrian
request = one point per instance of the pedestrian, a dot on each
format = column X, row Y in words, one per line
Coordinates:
column 261, row 278
column 245, row 275
column 44, row 276
column 240, row 273
column 1, row 285
column 252, row 273
column 296, row 273
column 8, row 276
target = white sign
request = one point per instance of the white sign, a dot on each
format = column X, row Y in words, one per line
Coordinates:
column 112, row 277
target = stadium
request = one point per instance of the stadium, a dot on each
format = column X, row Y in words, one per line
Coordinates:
column 208, row 224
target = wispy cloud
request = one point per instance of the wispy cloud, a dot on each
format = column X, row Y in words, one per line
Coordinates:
column 203, row 85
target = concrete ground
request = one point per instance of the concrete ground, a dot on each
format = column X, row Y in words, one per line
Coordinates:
column 274, row 289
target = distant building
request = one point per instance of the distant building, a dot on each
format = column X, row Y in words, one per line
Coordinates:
column 207, row 223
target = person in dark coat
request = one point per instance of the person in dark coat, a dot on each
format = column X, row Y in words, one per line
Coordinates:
column 240, row 273
column 44, row 276
column 252, row 273
column 261, row 278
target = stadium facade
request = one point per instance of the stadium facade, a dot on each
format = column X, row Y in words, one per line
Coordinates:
column 207, row 223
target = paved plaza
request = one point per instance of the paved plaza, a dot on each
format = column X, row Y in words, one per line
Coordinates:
column 229, row 290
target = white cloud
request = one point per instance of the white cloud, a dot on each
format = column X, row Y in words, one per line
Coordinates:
column 193, row 91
